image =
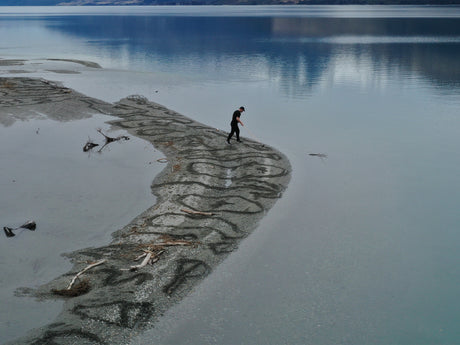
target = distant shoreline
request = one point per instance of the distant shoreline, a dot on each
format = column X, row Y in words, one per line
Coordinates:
column 93, row 3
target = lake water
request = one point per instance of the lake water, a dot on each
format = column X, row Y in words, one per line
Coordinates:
column 363, row 248
column 77, row 200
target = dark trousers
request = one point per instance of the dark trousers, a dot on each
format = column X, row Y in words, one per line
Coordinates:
column 236, row 130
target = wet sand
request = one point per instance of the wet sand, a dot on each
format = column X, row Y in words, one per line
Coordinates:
column 210, row 196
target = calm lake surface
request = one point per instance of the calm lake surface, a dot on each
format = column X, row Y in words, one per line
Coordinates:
column 363, row 248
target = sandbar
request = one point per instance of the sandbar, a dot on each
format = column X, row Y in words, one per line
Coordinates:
column 209, row 197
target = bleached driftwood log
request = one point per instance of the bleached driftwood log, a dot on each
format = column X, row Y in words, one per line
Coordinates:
column 143, row 263
column 97, row 263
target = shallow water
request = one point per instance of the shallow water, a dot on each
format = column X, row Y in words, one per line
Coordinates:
column 363, row 247
column 77, row 200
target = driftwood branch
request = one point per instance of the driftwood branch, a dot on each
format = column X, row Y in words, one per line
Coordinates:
column 143, row 263
column 30, row 225
column 149, row 258
column 89, row 145
column 320, row 155
column 156, row 257
column 172, row 242
column 78, row 289
column 97, row 263
column 140, row 256
column 152, row 253
column 197, row 212
column 111, row 139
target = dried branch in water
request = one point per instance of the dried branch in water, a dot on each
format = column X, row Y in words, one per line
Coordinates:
column 97, row 263
column 8, row 231
column 30, row 225
column 111, row 139
column 320, row 155
column 89, row 145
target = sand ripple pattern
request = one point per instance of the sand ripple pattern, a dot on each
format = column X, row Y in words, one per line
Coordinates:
column 238, row 184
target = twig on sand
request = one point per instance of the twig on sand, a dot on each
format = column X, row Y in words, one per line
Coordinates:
column 78, row 289
column 144, row 262
column 167, row 241
column 152, row 253
column 140, row 256
column 149, row 256
column 197, row 212
column 97, row 263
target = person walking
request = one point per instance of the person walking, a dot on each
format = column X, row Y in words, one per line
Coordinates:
column 235, row 120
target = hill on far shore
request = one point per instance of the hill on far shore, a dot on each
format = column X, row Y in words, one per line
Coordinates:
column 222, row 2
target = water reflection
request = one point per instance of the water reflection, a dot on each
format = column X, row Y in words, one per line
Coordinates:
column 324, row 27
column 293, row 52
column 15, row 114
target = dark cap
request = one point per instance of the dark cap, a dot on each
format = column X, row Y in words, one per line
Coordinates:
column 242, row 108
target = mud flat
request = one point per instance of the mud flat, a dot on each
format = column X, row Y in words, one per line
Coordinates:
column 210, row 196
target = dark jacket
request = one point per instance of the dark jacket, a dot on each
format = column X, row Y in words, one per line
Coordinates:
column 236, row 114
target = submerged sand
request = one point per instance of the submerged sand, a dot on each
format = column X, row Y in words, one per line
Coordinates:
column 210, row 196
